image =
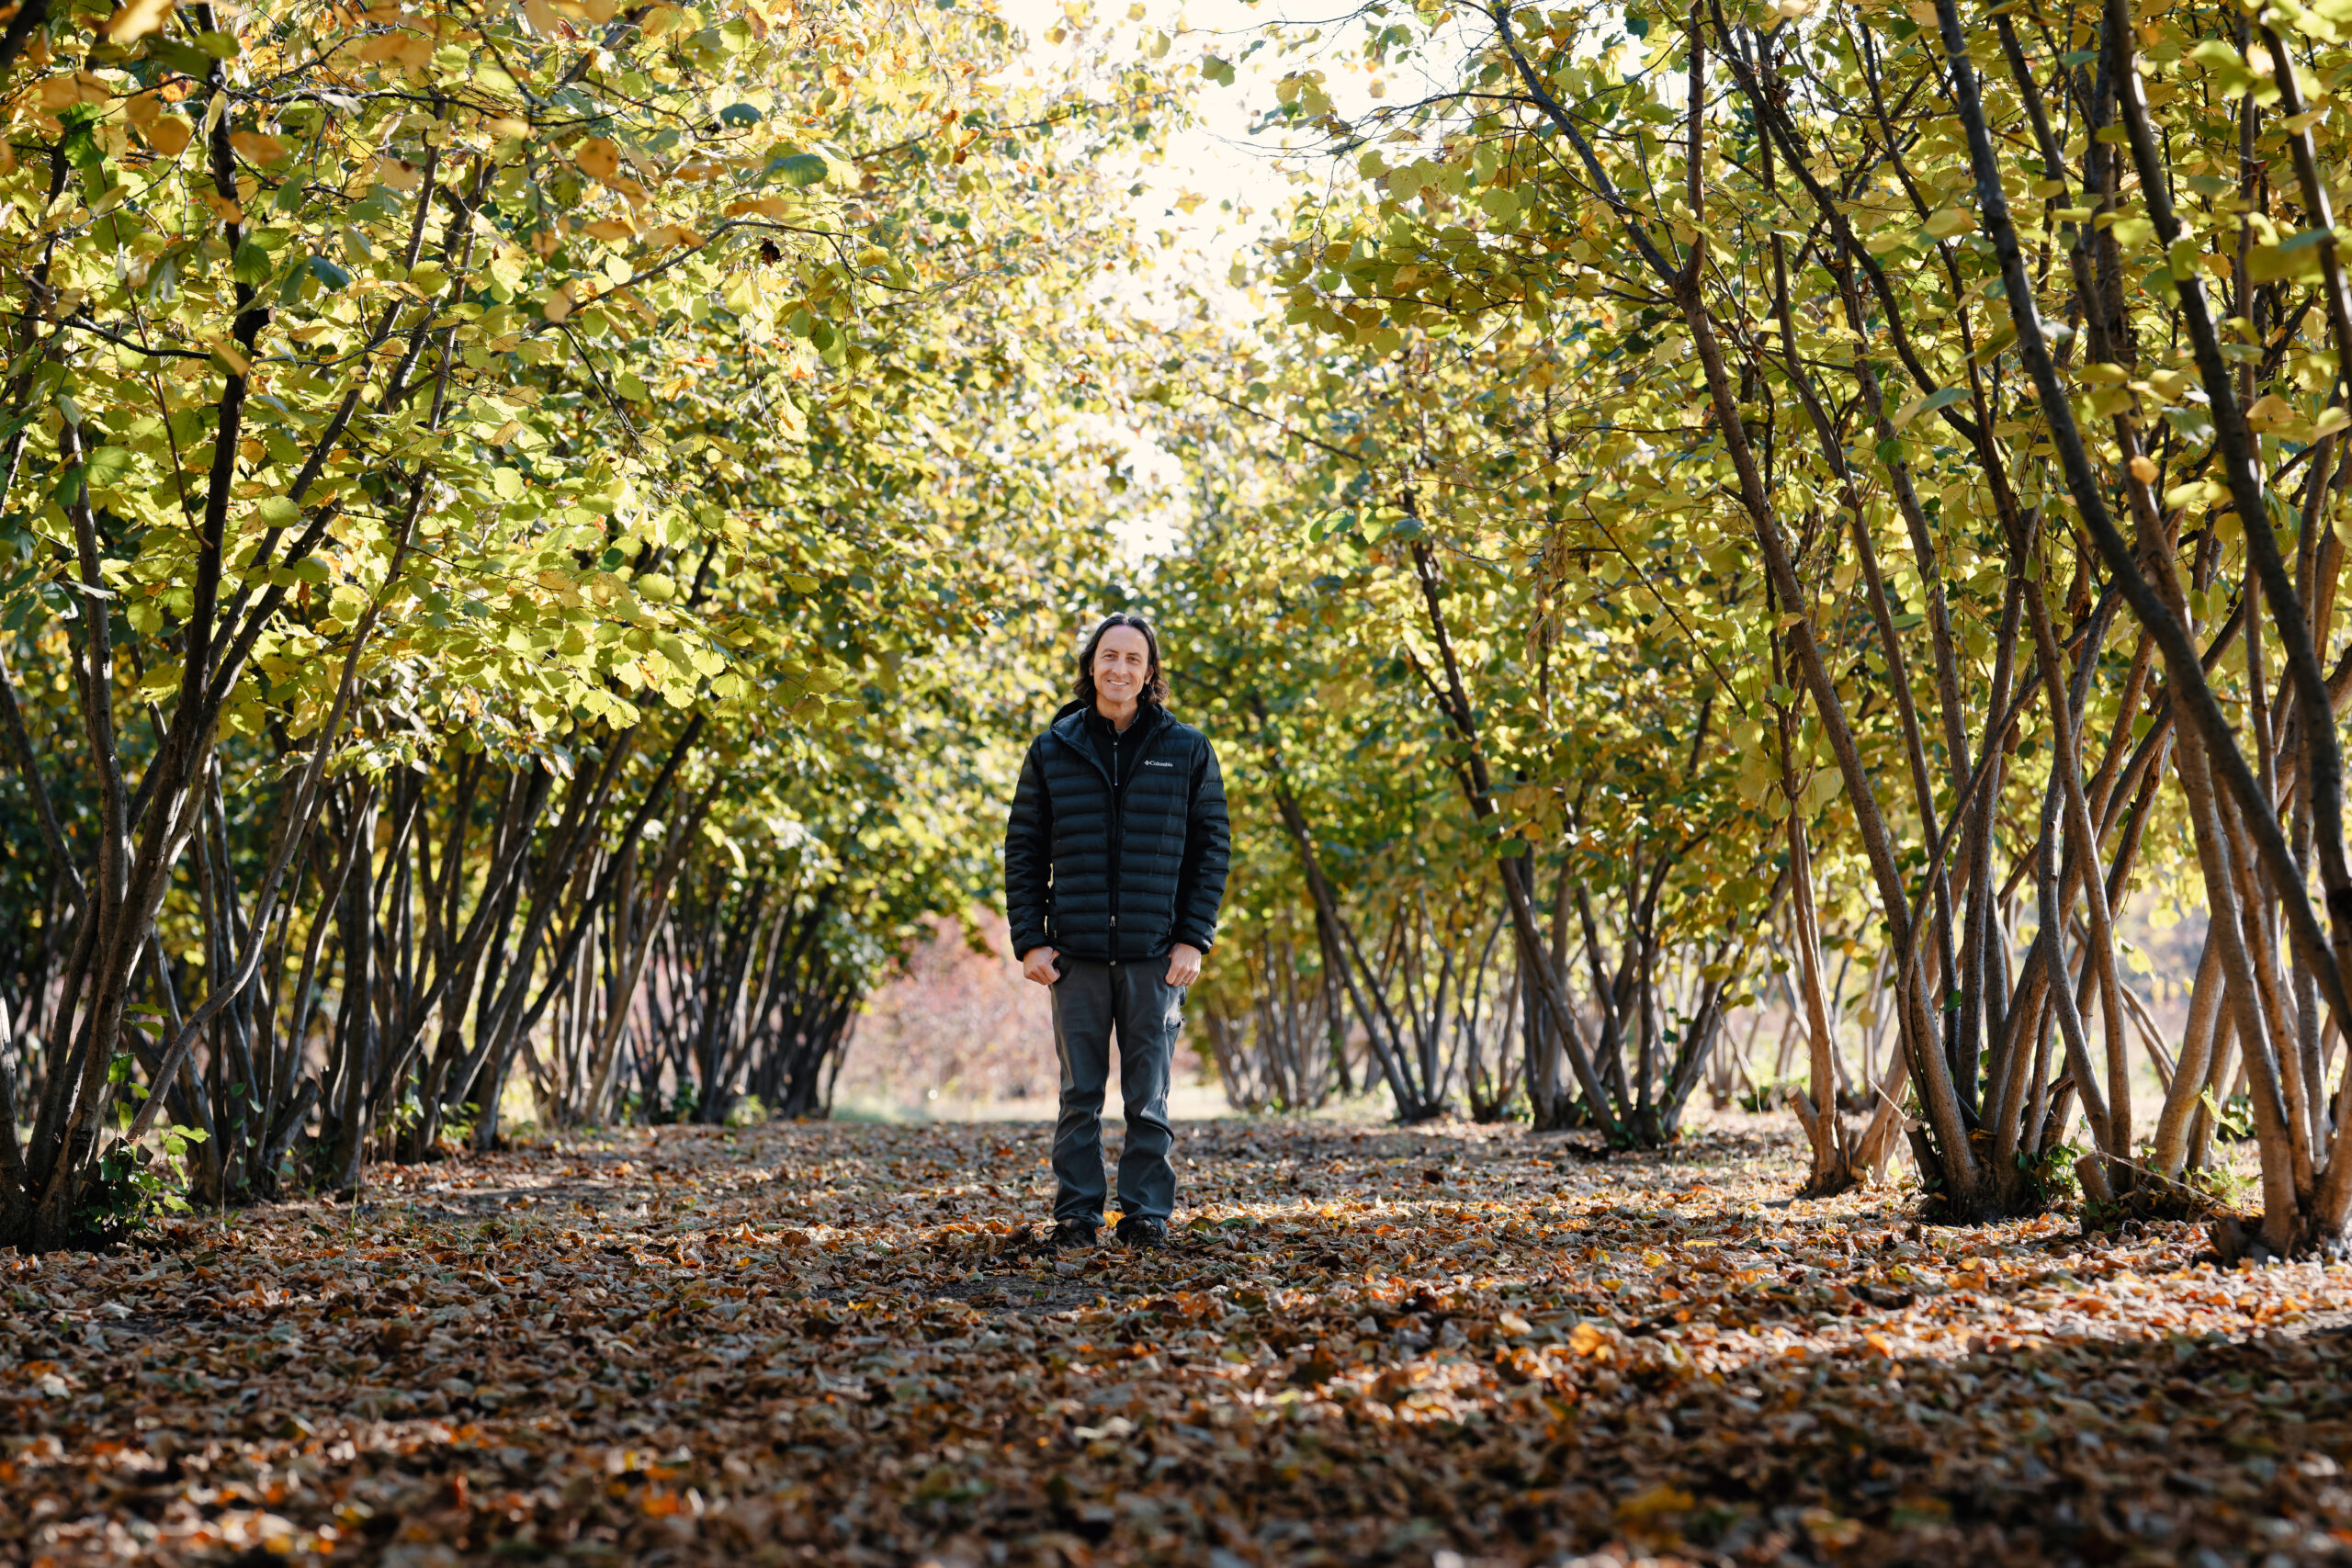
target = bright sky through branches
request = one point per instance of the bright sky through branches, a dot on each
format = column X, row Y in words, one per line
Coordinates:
column 1219, row 188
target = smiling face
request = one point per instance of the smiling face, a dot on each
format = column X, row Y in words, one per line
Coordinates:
column 1122, row 665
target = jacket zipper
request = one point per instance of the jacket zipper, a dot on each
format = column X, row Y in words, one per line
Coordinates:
column 1118, row 833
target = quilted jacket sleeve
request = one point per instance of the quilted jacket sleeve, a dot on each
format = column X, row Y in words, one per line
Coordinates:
column 1208, row 843
column 1028, row 859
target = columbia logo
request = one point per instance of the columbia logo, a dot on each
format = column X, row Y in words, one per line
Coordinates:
column 1160, row 764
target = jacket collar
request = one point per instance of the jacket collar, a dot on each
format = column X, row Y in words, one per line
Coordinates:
column 1071, row 725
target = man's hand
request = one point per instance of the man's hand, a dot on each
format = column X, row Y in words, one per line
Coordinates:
column 1039, row 967
column 1183, row 964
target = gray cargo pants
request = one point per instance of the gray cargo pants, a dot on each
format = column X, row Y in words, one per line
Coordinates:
column 1091, row 1001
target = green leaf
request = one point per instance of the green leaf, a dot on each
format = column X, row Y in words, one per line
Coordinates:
column 2195, row 423
column 81, row 142
column 798, row 170
column 108, row 465
column 333, row 278
column 1942, row 397
column 170, row 53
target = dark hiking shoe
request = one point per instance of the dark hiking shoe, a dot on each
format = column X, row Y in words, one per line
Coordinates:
column 1067, row 1236
column 1142, row 1234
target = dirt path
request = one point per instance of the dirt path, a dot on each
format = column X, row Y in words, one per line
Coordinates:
column 828, row 1344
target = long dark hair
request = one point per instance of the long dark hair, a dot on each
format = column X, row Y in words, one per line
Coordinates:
column 1155, row 684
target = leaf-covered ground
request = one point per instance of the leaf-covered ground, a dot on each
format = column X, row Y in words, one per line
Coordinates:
column 827, row 1344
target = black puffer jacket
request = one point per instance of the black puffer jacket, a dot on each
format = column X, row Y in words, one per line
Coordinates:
column 1125, row 871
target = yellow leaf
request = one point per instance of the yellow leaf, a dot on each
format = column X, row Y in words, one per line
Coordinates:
column 559, row 304
column 2269, row 410
column 1948, row 221
column 136, row 19
column 1658, row 1500
column 398, row 174
column 2297, row 260
column 257, row 147
column 170, row 135
column 1829, row 1529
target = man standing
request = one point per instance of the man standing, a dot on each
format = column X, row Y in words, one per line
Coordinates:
column 1114, row 861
